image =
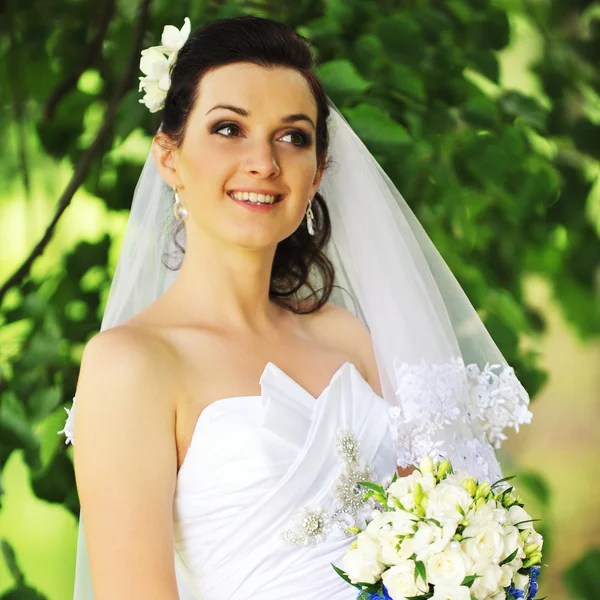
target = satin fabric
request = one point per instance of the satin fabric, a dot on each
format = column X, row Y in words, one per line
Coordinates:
column 253, row 462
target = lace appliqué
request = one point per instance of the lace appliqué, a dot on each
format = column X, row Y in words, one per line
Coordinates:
column 69, row 428
column 460, row 399
column 313, row 524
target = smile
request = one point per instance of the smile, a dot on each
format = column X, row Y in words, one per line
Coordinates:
column 255, row 198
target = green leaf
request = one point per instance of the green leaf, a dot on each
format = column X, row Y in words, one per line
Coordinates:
column 502, row 481
column 376, row 128
column 43, row 402
column 487, row 64
column 420, row 571
column 510, row 557
column 342, row 80
column 375, row 487
column 129, row 115
column 527, row 521
column 469, row 579
column 408, row 81
column 56, row 481
column 368, row 55
column 586, row 135
column 343, row 575
column 515, row 104
column 537, row 486
column 11, row 560
column 401, row 37
column 581, row 578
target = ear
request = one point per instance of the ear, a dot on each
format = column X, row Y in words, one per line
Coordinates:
column 163, row 151
column 317, row 179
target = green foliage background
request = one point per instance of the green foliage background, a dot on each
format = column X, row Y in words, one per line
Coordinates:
column 506, row 184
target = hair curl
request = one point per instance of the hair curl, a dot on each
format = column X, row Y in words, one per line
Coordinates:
column 269, row 44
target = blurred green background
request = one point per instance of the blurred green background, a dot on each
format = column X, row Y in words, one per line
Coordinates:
column 485, row 114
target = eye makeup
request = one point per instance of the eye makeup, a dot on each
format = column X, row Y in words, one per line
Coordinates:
column 305, row 138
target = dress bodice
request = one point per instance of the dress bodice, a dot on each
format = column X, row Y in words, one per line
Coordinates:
column 267, row 488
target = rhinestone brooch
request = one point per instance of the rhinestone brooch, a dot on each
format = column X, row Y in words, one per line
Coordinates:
column 312, row 524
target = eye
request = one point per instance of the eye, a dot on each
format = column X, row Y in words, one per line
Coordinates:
column 302, row 138
column 222, row 126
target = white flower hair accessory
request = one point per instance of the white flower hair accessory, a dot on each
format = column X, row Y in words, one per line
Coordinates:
column 156, row 63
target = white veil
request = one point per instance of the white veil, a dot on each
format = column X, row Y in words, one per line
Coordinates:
column 449, row 388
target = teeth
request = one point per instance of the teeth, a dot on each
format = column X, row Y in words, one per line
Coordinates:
column 253, row 197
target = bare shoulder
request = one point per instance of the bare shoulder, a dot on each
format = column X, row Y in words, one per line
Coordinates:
column 125, row 460
column 123, row 347
column 347, row 331
column 124, row 370
column 336, row 317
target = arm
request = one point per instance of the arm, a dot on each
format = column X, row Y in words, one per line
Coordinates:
column 125, row 464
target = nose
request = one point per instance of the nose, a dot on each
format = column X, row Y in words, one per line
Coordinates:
column 261, row 160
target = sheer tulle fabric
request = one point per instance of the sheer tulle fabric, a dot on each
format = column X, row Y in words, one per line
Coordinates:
column 448, row 388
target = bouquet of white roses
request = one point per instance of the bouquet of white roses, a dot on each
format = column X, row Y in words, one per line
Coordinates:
column 442, row 536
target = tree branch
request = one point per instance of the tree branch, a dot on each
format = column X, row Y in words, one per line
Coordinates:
column 89, row 155
column 16, row 84
column 93, row 50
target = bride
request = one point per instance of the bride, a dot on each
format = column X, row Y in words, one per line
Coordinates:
column 308, row 336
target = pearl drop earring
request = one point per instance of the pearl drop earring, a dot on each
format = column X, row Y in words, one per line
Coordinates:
column 310, row 219
column 179, row 209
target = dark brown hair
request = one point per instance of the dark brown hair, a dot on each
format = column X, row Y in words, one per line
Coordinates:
column 269, row 44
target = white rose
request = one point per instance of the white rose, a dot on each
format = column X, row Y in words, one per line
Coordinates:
column 499, row 596
column 488, row 512
column 376, row 526
column 488, row 582
column 507, row 575
column 515, row 565
column 363, row 562
column 456, row 478
column 448, row 567
column 403, row 488
column 407, row 548
column 521, row 582
column 389, row 543
column 401, row 522
column 430, row 539
column 519, row 517
column 484, row 543
column 451, row 592
column 443, row 502
column 512, row 542
column 400, row 581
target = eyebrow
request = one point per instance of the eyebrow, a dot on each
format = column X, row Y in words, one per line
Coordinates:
column 244, row 113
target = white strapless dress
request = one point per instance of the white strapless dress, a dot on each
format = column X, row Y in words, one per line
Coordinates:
column 266, row 482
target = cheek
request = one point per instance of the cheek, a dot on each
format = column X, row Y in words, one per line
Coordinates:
column 301, row 171
column 208, row 168
column 204, row 158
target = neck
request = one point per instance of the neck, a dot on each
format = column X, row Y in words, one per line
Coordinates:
column 224, row 285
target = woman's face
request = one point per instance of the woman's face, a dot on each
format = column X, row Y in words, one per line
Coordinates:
column 270, row 146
